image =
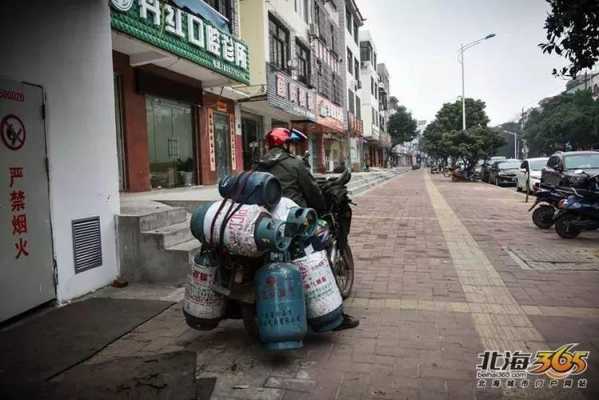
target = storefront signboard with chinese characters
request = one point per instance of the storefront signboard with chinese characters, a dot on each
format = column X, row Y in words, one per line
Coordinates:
column 329, row 114
column 292, row 96
column 184, row 34
column 26, row 257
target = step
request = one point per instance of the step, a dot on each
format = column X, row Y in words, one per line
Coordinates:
column 173, row 234
column 161, row 219
column 190, row 247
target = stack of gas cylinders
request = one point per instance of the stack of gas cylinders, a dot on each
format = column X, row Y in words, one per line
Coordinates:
column 294, row 287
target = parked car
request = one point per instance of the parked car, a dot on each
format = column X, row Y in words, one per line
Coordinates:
column 504, row 172
column 532, row 167
column 486, row 167
column 566, row 169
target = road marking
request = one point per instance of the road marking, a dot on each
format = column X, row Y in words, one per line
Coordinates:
column 483, row 285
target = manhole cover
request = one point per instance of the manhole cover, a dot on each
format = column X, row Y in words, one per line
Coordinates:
column 555, row 259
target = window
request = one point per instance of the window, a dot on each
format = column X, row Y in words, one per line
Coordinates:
column 372, row 85
column 348, row 21
column 333, row 39
column 358, row 108
column 365, row 50
column 374, row 59
column 356, row 32
column 222, row 6
column 295, row 5
column 316, row 14
column 373, row 116
column 303, row 62
column 350, row 58
column 350, row 99
column 357, row 69
column 279, row 45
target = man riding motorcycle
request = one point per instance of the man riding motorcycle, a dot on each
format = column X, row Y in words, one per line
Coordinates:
column 297, row 182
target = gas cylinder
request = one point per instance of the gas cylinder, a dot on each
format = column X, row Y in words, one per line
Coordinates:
column 323, row 299
column 203, row 308
column 251, row 187
column 249, row 229
column 280, row 306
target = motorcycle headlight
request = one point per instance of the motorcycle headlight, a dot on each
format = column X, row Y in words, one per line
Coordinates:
column 576, row 205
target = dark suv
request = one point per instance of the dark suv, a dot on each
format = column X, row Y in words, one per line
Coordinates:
column 564, row 168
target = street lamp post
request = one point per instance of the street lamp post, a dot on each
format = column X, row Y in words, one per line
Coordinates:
column 515, row 135
column 463, row 48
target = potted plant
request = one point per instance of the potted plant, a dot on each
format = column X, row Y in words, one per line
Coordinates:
column 185, row 169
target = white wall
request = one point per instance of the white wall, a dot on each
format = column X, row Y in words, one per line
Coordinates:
column 65, row 46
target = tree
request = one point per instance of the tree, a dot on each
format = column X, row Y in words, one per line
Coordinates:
column 573, row 32
column 401, row 126
column 444, row 138
column 567, row 119
column 393, row 103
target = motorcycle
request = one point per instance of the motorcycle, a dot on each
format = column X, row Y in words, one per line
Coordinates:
column 339, row 217
column 547, row 202
column 229, row 286
column 579, row 212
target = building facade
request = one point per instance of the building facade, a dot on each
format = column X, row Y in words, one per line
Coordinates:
column 352, row 22
column 296, row 79
column 384, row 144
column 370, row 99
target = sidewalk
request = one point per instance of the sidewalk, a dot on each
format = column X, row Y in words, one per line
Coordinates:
column 444, row 271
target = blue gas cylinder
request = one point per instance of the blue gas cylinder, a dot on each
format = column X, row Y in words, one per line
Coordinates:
column 280, row 306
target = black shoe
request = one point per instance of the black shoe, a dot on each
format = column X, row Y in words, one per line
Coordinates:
column 348, row 323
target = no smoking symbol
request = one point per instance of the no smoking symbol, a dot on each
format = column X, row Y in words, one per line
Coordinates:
column 12, row 131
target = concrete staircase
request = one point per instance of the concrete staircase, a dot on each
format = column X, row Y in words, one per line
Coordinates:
column 361, row 182
column 156, row 244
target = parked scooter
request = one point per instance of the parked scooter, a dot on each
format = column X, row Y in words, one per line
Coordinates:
column 580, row 211
column 545, row 207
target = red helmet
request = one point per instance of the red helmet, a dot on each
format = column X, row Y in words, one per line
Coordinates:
column 278, row 137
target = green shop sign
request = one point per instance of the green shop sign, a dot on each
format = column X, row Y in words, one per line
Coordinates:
column 186, row 35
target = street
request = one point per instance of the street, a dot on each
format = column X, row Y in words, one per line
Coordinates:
column 444, row 271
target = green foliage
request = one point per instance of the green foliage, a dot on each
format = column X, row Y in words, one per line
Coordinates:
column 573, row 32
column 444, row 138
column 567, row 118
column 401, row 126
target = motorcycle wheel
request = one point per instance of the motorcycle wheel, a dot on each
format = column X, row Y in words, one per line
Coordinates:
column 343, row 268
column 248, row 314
column 543, row 216
column 564, row 228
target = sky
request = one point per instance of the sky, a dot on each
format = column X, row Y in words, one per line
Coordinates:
column 418, row 40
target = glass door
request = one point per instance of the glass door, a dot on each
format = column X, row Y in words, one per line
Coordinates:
column 222, row 145
column 170, row 143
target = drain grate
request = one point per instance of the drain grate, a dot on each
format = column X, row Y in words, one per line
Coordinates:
column 555, row 259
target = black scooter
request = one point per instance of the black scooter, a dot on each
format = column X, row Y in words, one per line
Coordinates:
column 579, row 212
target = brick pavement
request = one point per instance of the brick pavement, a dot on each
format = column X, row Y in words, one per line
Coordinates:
column 434, row 287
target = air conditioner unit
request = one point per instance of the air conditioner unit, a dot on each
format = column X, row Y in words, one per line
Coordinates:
column 313, row 30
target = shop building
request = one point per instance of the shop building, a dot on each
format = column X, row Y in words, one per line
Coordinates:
column 175, row 64
column 384, row 144
column 295, row 79
column 370, row 99
column 351, row 21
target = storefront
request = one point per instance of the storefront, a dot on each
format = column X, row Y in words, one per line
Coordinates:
column 173, row 132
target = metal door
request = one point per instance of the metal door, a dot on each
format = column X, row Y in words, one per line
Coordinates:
column 27, row 266
column 222, row 146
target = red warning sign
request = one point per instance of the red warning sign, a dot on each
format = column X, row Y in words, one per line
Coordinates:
column 12, row 132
